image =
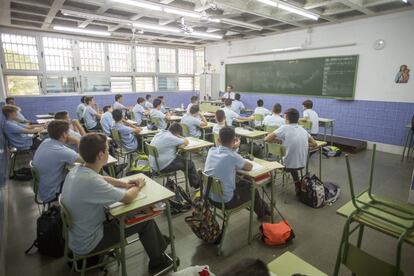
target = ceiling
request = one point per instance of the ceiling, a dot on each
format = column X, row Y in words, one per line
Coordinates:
column 115, row 17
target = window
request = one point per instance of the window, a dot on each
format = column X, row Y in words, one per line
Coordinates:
column 23, row 85
column 20, row 52
column 92, row 56
column 145, row 59
column 167, row 83
column 58, row 54
column 144, row 84
column 56, row 84
column 197, row 83
column 96, row 84
column 166, row 58
column 185, row 61
column 121, row 84
column 199, row 53
column 119, row 58
column 185, row 84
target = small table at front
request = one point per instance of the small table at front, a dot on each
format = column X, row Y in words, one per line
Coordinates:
column 268, row 167
column 318, row 147
column 199, row 144
column 327, row 123
column 289, row 264
column 154, row 193
column 250, row 135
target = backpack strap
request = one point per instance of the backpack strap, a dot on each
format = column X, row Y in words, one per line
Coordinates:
column 209, row 183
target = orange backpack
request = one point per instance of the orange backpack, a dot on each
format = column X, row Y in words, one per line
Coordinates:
column 277, row 233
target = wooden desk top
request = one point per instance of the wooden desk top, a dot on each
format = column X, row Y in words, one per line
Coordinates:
column 174, row 118
column 200, row 144
column 209, row 114
column 131, row 122
column 153, row 191
column 268, row 166
column 44, row 121
column 209, row 125
column 44, row 116
column 146, row 131
column 326, row 120
column 250, row 133
column 244, row 119
column 289, row 264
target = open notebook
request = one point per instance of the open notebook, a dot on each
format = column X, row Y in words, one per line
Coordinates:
column 140, row 196
column 256, row 167
column 192, row 143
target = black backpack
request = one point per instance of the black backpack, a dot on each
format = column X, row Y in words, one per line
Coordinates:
column 22, row 174
column 181, row 203
column 49, row 239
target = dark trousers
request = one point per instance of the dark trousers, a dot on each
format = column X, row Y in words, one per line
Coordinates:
column 36, row 143
column 242, row 194
column 95, row 128
column 179, row 165
column 149, row 234
column 294, row 173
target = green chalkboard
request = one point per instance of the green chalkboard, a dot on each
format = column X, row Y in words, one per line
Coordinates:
column 324, row 76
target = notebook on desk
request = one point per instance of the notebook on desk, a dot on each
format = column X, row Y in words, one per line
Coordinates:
column 192, row 143
column 140, row 196
column 256, row 167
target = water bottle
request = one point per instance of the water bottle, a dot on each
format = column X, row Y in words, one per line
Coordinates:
column 182, row 106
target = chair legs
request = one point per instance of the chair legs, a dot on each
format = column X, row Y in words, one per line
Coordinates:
column 223, row 234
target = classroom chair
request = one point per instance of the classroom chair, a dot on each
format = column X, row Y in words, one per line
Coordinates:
column 41, row 205
column 216, row 136
column 305, row 124
column 223, row 213
column 186, row 130
column 379, row 213
column 155, row 121
column 270, row 129
column 153, row 151
column 408, row 145
column 75, row 258
column 120, row 150
column 13, row 155
column 259, row 118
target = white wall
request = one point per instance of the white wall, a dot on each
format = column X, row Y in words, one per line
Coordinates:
column 376, row 70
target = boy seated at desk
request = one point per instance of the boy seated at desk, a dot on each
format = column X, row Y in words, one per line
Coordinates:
column 107, row 122
column 274, row 120
column 139, row 111
column 194, row 120
column 20, row 117
column 230, row 114
column 91, row 116
column 220, row 121
column 76, row 131
column 19, row 135
column 310, row 115
column 86, row 194
column 127, row 132
column 163, row 108
column 223, row 162
column 166, row 142
column 118, row 103
column 296, row 140
column 148, row 105
column 52, row 158
column 156, row 113
column 193, row 101
column 237, row 105
column 81, row 108
column 262, row 111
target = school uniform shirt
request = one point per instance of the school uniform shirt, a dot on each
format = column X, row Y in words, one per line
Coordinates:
column 107, row 122
column 263, row 111
column 166, row 144
column 86, row 194
column 230, row 115
column 20, row 117
column 139, row 113
column 74, row 134
column 314, row 118
column 223, row 162
column 127, row 135
column 228, row 95
column 163, row 109
column 193, row 124
column 89, row 116
column 217, row 127
column 148, row 105
column 188, row 107
column 50, row 160
column 15, row 135
column 296, row 141
column 273, row 120
column 79, row 110
column 118, row 105
column 237, row 106
column 155, row 113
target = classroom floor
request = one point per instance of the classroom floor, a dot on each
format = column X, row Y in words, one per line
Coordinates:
column 317, row 231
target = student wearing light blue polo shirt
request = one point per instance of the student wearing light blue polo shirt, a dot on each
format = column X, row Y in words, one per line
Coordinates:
column 86, row 195
column 52, row 158
column 148, row 105
column 107, row 122
column 80, row 108
column 223, row 162
column 139, row 111
column 76, row 131
column 118, row 103
column 193, row 101
column 90, row 115
column 167, row 142
column 194, row 121
column 230, row 114
column 163, row 108
column 156, row 113
column 128, row 134
column 19, row 135
column 296, row 140
column 20, row 117
column 274, row 120
column 237, row 105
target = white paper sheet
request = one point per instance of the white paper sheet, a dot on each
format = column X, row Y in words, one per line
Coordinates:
column 140, row 196
column 192, row 143
column 256, row 167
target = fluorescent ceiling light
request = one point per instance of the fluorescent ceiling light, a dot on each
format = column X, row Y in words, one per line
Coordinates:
column 81, row 31
column 206, row 35
column 290, row 8
column 156, row 27
column 242, row 24
column 286, row 49
column 95, row 17
column 182, row 12
column 405, row 1
column 140, row 4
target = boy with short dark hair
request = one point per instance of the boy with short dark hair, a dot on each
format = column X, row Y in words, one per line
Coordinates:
column 148, row 105
column 156, row 113
column 128, row 134
column 194, row 120
column 86, row 194
column 107, row 122
column 220, row 121
column 163, row 108
column 237, row 105
column 193, row 101
column 262, row 111
column 80, row 108
column 310, row 115
column 230, row 114
column 274, row 120
column 76, row 131
column 139, row 111
column 20, row 117
column 90, row 115
column 118, row 103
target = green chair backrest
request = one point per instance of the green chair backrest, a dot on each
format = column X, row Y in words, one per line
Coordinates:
column 216, row 188
column 132, row 115
column 277, row 150
column 153, row 151
column 186, row 130
column 204, row 107
column 306, row 124
column 116, row 137
column 36, row 180
column 216, row 136
column 155, row 121
column 271, row 128
column 258, row 117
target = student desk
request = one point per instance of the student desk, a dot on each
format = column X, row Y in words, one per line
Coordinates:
column 250, row 135
column 289, row 264
column 132, row 122
column 408, row 142
column 267, row 167
column 213, row 102
column 112, row 161
column 44, row 116
column 197, row 144
column 174, row 118
column 44, row 121
column 179, row 111
column 205, row 128
column 319, row 146
column 154, row 193
column 209, row 115
column 327, row 123
column 243, row 120
column 145, row 132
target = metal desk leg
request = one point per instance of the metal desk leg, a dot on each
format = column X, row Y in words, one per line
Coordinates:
column 320, row 163
column 272, row 195
column 332, row 139
column 324, row 132
column 252, row 211
column 122, row 243
column 172, row 238
column 251, row 147
column 407, row 139
column 186, row 171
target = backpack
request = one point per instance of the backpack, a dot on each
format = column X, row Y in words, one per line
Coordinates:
column 311, row 191
column 202, row 222
column 22, row 174
column 140, row 165
column 49, row 235
column 331, row 151
column 181, row 203
column 332, row 192
column 277, row 233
